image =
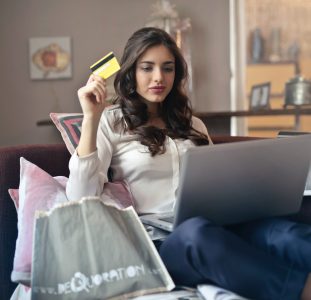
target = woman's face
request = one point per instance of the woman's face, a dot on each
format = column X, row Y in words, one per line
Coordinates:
column 155, row 74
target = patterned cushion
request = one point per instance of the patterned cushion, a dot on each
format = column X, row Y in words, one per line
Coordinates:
column 69, row 125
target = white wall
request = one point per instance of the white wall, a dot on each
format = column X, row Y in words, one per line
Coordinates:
column 95, row 27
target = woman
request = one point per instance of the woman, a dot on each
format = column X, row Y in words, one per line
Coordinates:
column 141, row 139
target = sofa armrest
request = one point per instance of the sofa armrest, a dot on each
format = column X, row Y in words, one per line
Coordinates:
column 221, row 139
column 51, row 158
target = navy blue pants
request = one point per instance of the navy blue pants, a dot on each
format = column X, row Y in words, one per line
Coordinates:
column 268, row 259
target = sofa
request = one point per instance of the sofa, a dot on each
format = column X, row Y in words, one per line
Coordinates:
column 52, row 158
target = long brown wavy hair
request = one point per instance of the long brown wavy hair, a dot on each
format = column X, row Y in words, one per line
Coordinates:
column 175, row 110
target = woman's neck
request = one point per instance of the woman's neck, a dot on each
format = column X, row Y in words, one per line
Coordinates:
column 153, row 112
column 156, row 122
column 152, row 107
column 155, row 119
column 153, row 115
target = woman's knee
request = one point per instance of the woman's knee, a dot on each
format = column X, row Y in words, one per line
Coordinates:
column 197, row 248
column 191, row 230
column 199, row 234
column 194, row 224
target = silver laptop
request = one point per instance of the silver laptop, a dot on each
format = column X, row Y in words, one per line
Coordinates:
column 307, row 191
column 238, row 182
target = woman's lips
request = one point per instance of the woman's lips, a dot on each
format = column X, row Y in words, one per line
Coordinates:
column 157, row 89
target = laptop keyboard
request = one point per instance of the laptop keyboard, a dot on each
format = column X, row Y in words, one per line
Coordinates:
column 169, row 219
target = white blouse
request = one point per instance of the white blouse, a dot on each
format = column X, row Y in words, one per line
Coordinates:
column 153, row 180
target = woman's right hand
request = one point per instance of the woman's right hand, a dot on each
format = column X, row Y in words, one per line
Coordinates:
column 92, row 97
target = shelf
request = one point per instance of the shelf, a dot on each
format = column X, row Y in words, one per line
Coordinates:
column 273, row 120
column 263, row 112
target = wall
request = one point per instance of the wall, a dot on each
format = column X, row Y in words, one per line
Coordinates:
column 95, row 27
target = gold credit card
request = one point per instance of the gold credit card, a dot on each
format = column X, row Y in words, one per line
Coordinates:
column 106, row 66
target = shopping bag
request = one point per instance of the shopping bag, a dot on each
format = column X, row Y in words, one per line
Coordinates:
column 90, row 250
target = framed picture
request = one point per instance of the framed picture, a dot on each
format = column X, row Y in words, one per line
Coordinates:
column 50, row 58
column 260, row 96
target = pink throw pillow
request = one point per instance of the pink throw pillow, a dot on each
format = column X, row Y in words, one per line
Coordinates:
column 118, row 193
column 37, row 191
column 40, row 191
column 14, row 193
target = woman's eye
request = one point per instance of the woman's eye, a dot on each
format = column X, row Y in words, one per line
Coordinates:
column 168, row 69
column 147, row 69
column 164, row 69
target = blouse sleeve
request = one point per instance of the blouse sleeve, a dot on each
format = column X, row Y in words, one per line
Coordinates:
column 87, row 174
column 200, row 126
